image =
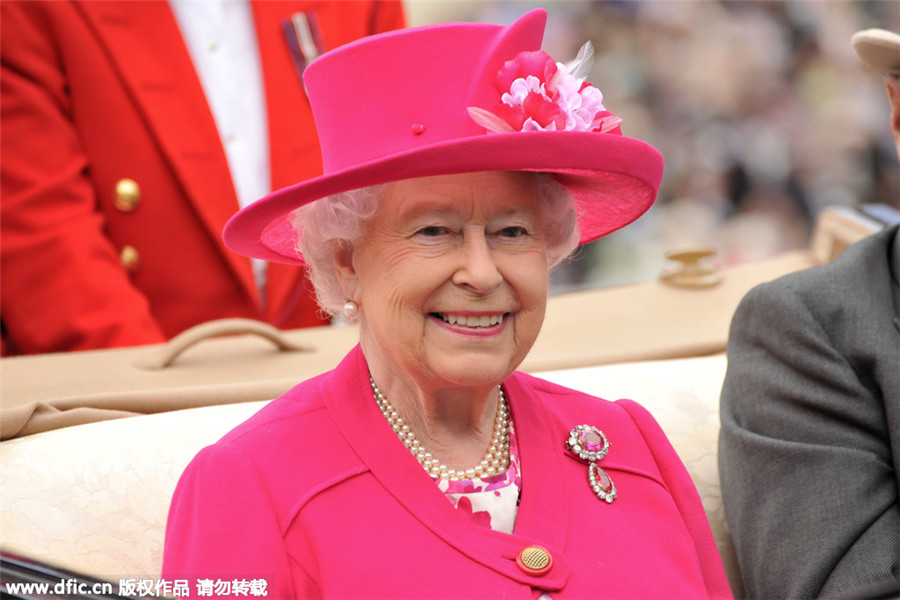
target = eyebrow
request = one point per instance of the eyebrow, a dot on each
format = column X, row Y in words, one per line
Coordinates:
column 428, row 208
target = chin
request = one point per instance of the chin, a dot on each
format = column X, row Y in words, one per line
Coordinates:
column 476, row 371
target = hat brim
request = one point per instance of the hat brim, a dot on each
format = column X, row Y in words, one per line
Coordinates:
column 879, row 49
column 613, row 180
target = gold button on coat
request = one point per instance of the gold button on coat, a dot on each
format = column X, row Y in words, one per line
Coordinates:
column 128, row 195
column 130, row 258
column 534, row 560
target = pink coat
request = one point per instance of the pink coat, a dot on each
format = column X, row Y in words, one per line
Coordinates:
column 316, row 495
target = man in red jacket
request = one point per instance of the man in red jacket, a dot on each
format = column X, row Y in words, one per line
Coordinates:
column 117, row 174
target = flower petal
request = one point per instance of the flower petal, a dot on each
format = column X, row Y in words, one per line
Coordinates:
column 489, row 120
column 514, row 115
column 607, row 122
column 536, row 63
column 544, row 111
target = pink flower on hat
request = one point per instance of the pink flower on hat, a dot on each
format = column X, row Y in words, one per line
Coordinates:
column 538, row 94
column 536, row 64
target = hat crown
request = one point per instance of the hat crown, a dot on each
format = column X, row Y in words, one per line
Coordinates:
column 418, row 96
column 423, row 102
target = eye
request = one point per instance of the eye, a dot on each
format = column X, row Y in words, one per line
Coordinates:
column 432, row 231
column 433, row 234
column 513, row 232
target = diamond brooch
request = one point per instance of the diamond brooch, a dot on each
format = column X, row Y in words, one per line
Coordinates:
column 590, row 445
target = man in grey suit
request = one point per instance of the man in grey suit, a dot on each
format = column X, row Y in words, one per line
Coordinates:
column 809, row 450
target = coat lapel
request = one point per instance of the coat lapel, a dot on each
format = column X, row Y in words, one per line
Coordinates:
column 538, row 522
column 145, row 44
column 541, row 515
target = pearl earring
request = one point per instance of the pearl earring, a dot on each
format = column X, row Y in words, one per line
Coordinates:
column 351, row 309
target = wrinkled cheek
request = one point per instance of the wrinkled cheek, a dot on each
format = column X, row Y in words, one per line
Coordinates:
column 389, row 310
column 394, row 303
column 528, row 326
column 390, row 291
column 538, row 309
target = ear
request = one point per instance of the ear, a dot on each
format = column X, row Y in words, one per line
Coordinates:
column 342, row 251
column 892, row 85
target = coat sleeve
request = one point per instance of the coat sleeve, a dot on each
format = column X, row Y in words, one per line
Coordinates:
column 223, row 527
column 64, row 287
column 808, row 482
column 680, row 485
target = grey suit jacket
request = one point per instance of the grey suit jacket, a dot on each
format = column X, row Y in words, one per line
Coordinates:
column 810, row 441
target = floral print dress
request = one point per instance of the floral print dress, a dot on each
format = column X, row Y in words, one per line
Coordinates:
column 490, row 501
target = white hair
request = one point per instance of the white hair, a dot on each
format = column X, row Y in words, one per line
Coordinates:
column 344, row 218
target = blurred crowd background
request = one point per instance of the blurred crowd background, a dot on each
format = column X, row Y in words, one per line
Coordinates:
column 762, row 110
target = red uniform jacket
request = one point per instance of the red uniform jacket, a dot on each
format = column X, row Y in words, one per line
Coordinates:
column 94, row 93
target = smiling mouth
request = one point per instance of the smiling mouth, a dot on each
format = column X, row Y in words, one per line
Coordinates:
column 474, row 321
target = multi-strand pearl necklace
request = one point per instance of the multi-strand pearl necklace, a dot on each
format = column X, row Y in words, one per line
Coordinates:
column 495, row 461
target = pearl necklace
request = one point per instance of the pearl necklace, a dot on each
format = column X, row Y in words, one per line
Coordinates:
column 495, row 461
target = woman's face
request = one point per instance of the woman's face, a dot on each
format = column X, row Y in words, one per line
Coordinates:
column 451, row 279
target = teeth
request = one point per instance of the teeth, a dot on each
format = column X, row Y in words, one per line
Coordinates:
column 472, row 321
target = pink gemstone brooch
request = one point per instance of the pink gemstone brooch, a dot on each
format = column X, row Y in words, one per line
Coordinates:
column 590, row 445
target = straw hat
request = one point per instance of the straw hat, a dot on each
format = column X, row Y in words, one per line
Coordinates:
column 454, row 98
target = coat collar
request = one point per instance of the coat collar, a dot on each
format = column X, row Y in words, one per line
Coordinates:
column 539, row 520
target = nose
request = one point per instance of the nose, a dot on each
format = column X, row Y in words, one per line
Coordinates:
column 477, row 269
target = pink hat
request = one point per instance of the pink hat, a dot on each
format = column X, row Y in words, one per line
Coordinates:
column 457, row 98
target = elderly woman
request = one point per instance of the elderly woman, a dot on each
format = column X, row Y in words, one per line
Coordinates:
column 461, row 164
